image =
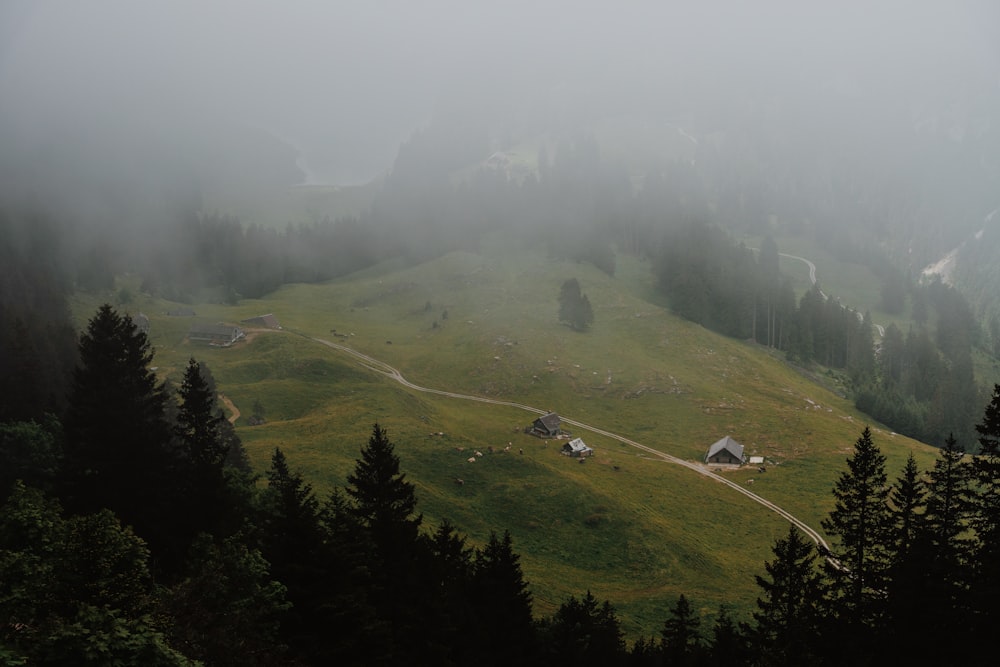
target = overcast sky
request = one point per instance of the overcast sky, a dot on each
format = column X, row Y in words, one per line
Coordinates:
column 348, row 80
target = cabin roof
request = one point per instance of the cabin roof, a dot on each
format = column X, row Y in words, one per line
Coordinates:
column 728, row 444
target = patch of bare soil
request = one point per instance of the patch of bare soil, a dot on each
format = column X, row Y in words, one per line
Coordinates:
column 234, row 412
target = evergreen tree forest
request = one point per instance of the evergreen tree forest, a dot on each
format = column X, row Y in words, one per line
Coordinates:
column 920, row 383
column 133, row 532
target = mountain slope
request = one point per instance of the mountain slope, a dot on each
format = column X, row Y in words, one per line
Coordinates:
column 634, row 530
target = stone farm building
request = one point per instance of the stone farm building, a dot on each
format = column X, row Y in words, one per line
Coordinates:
column 220, row 335
column 725, row 452
column 577, row 449
column 546, row 426
column 268, row 321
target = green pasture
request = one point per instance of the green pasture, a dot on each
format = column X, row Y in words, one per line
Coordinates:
column 632, row 529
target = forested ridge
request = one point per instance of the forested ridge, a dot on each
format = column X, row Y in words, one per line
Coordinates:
column 134, row 532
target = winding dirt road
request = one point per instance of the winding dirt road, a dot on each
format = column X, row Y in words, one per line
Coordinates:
column 385, row 369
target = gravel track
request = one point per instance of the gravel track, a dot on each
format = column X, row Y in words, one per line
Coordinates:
column 385, row 369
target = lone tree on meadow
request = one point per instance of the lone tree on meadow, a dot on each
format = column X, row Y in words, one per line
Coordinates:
column 574, row 306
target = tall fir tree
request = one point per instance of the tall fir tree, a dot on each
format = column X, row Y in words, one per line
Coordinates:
column 680, row 637
column 199, row 421
column 986, row 518
column 907, row 580
column 118, row 453
column 311, row 551
column 862, row 523
column 383, row 500
column 788, row 616
column 943, row 559
column 584, row 633
column 203, row 447
column 384, row 504
column 502, row 604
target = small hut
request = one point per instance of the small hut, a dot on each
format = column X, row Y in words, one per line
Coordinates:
column 576, row 449
column 546, row 426
column 725, row 452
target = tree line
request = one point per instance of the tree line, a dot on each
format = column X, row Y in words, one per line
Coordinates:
column 134, row 532
column 920, row 384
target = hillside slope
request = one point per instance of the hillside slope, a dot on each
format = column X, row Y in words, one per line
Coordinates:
column 631, row 529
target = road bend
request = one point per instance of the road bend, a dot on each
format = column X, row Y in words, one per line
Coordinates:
column 383, row 368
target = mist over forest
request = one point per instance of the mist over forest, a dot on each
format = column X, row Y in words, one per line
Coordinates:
column 216, row 152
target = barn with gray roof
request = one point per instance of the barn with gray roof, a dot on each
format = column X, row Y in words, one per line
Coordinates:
column 725, row 452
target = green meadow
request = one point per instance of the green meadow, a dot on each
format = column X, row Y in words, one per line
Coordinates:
column 631, row 529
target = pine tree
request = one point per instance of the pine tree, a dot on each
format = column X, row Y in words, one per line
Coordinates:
column 293, row 541
column 729, row 644
column 680, row 636
column 118, row 453
column 789, row 611
column 203, row 449
column 986, row 517
column 584, row 632
column 862, row 522
column 574, row 306
column 907, row 570
column 908, row 502
column 199, row 422
column 501, row 604
column 938, row 593
column 384, row 504
column 383, row 500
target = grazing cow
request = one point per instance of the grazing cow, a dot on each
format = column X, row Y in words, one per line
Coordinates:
column 478, row 453
column 520, row 451
column 472, row 459
column 388, row 342
column 750, row 481
column 459, row 481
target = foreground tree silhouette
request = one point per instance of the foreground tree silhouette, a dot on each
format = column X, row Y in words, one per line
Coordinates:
column 383, row 500
column 986, row 519
column 204, row 445
column 681, row 636
column 929, row 581
column 501, row 605
column 117, row 452
column 75, row 590
column 788, row 612
column 862, row 522
column 584, row 632
column 384, row 504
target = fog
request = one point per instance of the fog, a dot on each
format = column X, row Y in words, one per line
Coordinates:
column 250, row 97
column 347, row 81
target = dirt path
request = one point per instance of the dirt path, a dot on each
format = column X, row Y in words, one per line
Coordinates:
column 234, row 412
column 385, row 369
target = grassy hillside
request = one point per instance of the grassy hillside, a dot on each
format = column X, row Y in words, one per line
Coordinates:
column 631, row 529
